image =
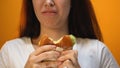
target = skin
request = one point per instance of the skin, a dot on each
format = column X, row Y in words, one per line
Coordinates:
column 48, row 20
column 53, row 17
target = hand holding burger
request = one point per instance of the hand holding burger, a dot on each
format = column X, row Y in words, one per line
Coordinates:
column 68, row 57
column 52, row 52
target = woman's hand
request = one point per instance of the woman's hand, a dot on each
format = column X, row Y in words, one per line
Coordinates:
column 69, row 59
column 39, row 58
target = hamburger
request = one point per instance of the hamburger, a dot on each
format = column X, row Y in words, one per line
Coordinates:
column 64, row 43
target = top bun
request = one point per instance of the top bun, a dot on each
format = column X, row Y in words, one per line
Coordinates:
column 65, row 42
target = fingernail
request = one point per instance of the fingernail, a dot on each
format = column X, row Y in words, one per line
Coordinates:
column 67, row 60
column 59, row 49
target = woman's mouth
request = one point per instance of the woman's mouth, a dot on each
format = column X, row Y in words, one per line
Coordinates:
column 49, row 13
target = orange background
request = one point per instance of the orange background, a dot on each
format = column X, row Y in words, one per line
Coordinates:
column 107, row 11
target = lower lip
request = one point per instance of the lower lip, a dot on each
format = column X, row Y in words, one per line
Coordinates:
column 49, row 13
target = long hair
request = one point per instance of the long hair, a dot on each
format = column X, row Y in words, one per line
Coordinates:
column 82, row 20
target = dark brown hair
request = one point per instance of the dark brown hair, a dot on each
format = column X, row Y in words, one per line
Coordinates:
column 82, row 21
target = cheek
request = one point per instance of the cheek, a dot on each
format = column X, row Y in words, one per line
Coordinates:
column 64, row 6
column 37, row 6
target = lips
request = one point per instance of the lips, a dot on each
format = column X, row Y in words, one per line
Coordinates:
column 49, row 12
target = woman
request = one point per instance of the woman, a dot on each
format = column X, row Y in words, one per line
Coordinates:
column 57, row 18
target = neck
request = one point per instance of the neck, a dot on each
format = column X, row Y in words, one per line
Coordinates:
column 55, row 34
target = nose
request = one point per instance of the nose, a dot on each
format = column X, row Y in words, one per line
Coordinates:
column 49, row 3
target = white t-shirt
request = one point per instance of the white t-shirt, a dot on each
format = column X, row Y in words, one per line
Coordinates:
column 91, row 53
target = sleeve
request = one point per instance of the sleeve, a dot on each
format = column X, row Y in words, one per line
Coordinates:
column 4, row 57
column 107, row 60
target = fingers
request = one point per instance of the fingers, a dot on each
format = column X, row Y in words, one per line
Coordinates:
column 74, row 52
column 47, row 56
column 69, row 55
column 50, row 64
column 67, row 64
column 69, row 59
column 41, row 56
column 43, row 49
